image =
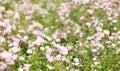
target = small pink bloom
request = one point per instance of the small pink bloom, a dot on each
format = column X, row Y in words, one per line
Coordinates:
column 88, row 24
column 39, row 41
column 93, row 19
column 26, row 67
column 76, row 60
column 106, row 32
column 68, row 47
column 16, row 16
column 6, row 55
column 82, row 18
column 51, row 59
column 15, row 49
column 3, row 66
column 29, row 51
column 90, row 11
column 99, row 29
column 1, row 16
column 94, row 50
column 64, row 36
column 25, row 38
column 50, row 67
column 9, row 13
column 21, row 58
column 2, row 40
column 49, row 51
column 58, row 57
column 22, row 31
column 2, row 9
column 20, row 69
column 11, row 62
column 37, row 25
column 2, row 24
column 63, row 50
column 85, row 1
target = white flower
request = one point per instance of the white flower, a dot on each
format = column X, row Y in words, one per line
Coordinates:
column 20, row 69
column 50, row 67
column 21, row 58
column 63, row 50
column 106, row 32
column 76, row 60
column 42, row 48
column 29, row 51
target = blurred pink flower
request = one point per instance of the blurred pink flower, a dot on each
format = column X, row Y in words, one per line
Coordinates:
column 99, row 29
column 6, row 55
column 37, row 25
column 29, row 51
column 3, row 66
column 90, row 11
column 2, row 9
column 88, row 24
column 26, row 67
column 76, row 60
column 64, row 36
column 106, row 32
column 82, row 18
column 15, row 49
column 16, row 16
column 63, row 50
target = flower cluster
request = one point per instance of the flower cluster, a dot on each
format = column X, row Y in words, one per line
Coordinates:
column 71, row 35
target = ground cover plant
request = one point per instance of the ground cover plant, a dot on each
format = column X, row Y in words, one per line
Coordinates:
column 59, row 35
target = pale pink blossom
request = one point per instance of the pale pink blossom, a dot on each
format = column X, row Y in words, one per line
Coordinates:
column 15, row 49
column 20, row 69
column 58, row 57
column 29, row 51
column 6, row 55
column 3, row 66
column 106, row 32
column 42, row 48
column 76, row 60
column 64, row 36
column 88, row 24
column 10, row 62
column 82, row 18
column 21, row 31
column 63, row 50
column 8, row 29
column 37, row 25
column 2, row 9
column 85, row 1
column 21, row 58
column 68, row 47
column 94, row 50
column 2, row 40
column 39, row 41
column 14, row 57
column 93, row 19
column 25, row 38
column 16, row 16
column 2, row 24
column 9, row 13
column 51, row 59
column 90, row 11
column 49, row 51
column 26, row 67
column 99, row 29
column 1, row 15
column 50, row 67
